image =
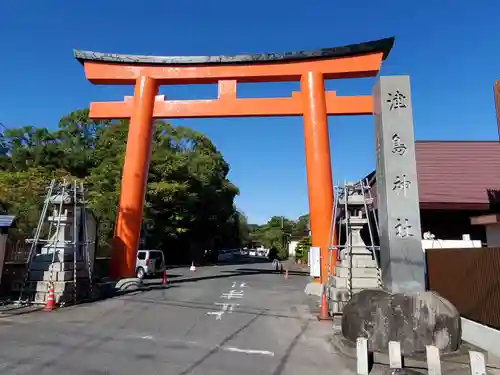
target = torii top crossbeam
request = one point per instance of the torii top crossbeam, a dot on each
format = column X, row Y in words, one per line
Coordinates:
column 353, row 61
column 311, row 68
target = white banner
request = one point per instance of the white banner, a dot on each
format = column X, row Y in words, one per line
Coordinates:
column 314, row 261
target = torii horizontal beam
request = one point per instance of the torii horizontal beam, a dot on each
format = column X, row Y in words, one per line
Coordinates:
column 233, row 107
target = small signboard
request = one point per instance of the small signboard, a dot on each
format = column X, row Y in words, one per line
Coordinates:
column 314, row 261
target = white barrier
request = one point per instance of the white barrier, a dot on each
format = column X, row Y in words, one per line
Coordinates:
column 477, row 361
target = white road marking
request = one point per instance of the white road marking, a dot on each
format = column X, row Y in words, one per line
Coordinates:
column 230, row 349
column 227, row 306
column 218, row 314
column 242, row 285
column 232, row 294
column 248, row 351
column 234, row 285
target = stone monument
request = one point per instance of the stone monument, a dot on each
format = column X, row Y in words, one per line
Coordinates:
column 404, row 311
column 401, row 256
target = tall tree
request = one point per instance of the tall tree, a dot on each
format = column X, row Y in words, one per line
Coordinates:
column 189, row 201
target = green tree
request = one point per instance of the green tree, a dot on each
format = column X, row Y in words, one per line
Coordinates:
column 189, row 201
column 302, row 249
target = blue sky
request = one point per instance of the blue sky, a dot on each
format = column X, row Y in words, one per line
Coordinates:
column 449, row 48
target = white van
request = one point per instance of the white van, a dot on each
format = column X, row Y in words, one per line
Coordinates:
column 149, row 262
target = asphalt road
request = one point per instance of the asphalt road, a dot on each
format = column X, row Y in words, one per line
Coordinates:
column 230, row 319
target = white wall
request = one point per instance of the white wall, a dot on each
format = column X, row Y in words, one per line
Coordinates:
column 291, row 248
column 450, row 244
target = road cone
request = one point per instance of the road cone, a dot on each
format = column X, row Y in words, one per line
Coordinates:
column 192, row 268
column 51, row 300
column 323, row 311
column 286, row 274
column 164, row 281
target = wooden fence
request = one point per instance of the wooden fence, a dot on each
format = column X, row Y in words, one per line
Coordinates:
column 468, row 278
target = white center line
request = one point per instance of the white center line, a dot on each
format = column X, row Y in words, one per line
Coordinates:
column 247, row 351
column 230, row 349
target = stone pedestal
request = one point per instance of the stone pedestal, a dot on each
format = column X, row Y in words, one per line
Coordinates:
column 61, row 261
column 357, row 267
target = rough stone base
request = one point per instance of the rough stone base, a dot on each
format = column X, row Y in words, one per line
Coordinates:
column 129, row 284
column 415, row 320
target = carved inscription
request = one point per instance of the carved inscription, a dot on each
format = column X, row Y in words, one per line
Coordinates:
column 403, row 228
column 398, row 146
column 397, row 100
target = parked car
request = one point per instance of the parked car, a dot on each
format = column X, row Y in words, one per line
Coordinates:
column 149, row 262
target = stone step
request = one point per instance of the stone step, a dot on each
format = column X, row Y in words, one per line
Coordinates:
column 58, row 266
column 359, row 262
column 56, row 275
column 336, row 307
column 367, row 272
column 60, row 286
column 41, row 297
column 356, row 282
column 59, row 257
column 340, row 294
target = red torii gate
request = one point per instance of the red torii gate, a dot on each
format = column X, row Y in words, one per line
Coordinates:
column 147, row 73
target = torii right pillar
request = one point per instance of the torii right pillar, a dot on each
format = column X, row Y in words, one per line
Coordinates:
column 401, row 256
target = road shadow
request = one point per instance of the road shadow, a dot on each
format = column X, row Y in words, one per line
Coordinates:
column 235, row 273
column 250, row 271
column 245, row 310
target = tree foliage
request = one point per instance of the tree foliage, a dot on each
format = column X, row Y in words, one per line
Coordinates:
column 278, row 232
column 302, row 248
column 189, row 203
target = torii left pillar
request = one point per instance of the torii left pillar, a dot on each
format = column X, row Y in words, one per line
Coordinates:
column 134, row 179
column 318, row 166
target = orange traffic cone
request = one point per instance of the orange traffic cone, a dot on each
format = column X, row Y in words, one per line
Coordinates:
column 164, row 281
column 51, row 300
column 286, row 274
column 323, row 311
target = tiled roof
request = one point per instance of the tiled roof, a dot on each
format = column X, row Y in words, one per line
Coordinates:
column 457, row 173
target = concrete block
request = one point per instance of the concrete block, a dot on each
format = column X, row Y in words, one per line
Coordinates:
column 357, row 283
column 362, row 355
column 336, row 307
column 61, row 286
column 356, row 272
column 341, row 294
column 359, row 262
column 56, row 275
column 57, row 266
column 59, row 257
column 395, row 360
column 477, row 363
column 433, row 360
